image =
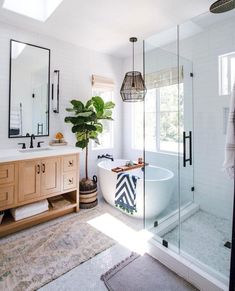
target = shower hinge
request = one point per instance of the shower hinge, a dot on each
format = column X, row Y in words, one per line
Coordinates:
column 155, row 223
column 165, row 243
column 192, row 189
column 191, row 75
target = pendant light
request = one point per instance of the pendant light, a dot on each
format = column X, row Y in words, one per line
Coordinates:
column 133, row 88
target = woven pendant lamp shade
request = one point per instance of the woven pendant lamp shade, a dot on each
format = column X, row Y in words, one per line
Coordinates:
column 133, row 87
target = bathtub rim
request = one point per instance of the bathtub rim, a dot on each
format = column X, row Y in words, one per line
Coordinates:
column 171, row 174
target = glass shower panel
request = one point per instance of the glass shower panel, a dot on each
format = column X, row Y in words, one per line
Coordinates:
column 208, row 41
column 162, row 118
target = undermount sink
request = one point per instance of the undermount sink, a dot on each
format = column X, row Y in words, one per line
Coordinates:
column 34, row 150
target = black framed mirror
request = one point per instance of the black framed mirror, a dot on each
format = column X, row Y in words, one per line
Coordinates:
column 29, row 90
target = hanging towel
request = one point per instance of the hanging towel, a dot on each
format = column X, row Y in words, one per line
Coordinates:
column 230, row 138
column 125, row 196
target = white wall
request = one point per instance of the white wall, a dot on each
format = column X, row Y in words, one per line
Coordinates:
column 76, row 65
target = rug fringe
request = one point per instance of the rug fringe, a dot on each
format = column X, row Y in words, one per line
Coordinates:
column 106, row 276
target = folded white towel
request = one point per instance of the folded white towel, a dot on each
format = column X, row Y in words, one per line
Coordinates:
column 230, row 138
column 29, row 210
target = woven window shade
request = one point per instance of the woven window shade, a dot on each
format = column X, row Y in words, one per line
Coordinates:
column 164, row 78
column 103, row 83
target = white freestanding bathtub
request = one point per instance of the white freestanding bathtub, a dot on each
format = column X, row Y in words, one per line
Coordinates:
column 158, row 185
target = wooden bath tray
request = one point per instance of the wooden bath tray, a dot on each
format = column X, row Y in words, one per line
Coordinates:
column 128, row 168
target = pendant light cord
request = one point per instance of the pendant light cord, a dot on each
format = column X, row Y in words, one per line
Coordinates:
column 133, row 56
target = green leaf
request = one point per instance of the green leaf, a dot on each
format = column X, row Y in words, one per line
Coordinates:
column 78, row 105
column 93, row 134
column 88, row 104
column 71, row 119
column 70, row 109
column 85, row 114
column 83, row 128
column 81, row 136
column 98, row 104
column 108, row 113
column 109, row 105
column 82, row 144
column 99, row 127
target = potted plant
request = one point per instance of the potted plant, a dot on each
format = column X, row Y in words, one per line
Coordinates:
column 87, row 125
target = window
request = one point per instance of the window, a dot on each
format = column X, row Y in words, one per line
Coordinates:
column 106, row 137
column 170, row 118
column 38, row 9
column 226, row 73
column 164, row 118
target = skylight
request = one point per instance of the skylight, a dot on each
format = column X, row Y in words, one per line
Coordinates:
column 38, row 9
column 17, row 49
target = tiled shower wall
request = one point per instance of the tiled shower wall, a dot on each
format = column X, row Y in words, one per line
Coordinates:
column 213, row 187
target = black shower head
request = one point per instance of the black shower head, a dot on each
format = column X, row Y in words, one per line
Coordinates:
column 221, row 6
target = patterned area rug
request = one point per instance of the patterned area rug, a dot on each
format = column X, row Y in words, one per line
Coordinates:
column 37, row 257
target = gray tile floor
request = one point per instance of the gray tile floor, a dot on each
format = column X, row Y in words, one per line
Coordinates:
column 203, row 236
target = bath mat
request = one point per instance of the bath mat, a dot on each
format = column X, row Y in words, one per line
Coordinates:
column 143, row 273
column 31, row 260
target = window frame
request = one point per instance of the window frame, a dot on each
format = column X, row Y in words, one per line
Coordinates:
column 158, row 124
column 111, row 146
column 229, row 57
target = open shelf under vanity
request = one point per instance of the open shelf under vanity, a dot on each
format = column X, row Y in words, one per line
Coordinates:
column 9, row 225
column 31, row 181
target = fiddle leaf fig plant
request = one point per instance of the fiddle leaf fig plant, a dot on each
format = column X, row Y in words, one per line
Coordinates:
column 86, row 120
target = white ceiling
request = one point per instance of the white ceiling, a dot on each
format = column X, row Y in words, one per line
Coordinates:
column 106, row 25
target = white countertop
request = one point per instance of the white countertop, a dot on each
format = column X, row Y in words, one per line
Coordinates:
column 11, row 155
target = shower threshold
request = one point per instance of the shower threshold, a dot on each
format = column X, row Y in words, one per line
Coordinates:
column 170, row 221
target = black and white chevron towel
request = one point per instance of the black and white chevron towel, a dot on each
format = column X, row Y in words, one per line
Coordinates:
column 125, row 196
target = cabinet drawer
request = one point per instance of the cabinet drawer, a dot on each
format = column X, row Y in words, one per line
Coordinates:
column 70, row 181
column 7, row 173
column 69, row 163
column 6, row 196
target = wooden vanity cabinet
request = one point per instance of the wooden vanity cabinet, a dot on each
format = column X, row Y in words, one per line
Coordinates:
column 39, row 178
column 50, row 176
column 8, row 184
column 27, row 181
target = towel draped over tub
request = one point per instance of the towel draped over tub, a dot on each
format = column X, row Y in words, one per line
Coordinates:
column 125, row 196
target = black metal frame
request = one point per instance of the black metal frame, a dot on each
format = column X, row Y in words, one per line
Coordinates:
column 48, row 89
column 232, row 263
column 185, row 160
column 56, row 110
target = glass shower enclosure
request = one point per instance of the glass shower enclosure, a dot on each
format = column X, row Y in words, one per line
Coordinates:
column 189, row 74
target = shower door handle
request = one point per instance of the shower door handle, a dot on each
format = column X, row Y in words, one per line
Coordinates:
column 185, row 159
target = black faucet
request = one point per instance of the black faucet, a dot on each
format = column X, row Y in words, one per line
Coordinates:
column 32, row 137
column 106, row 156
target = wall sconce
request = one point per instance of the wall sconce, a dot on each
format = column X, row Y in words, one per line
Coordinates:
column 55, row 91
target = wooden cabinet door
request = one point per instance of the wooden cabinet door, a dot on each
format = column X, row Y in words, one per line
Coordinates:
column 6, row 196
column 29, row 180
column 7, row 173
column 50, row 176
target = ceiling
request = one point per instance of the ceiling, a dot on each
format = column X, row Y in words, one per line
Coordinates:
column 106, row 25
